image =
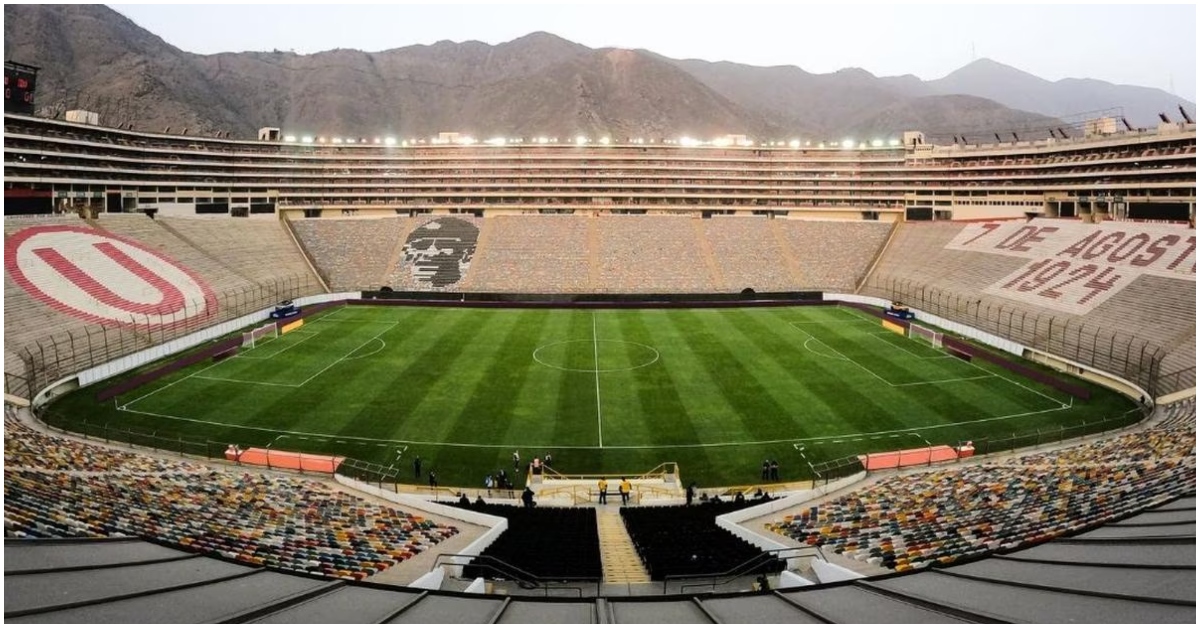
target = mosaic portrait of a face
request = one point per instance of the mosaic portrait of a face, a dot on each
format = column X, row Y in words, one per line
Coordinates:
column 439, row 252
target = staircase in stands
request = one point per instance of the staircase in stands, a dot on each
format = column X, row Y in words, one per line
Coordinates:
column 617, row 554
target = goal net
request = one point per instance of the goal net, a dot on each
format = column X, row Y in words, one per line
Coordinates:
column 254, row 336
column 925, row 334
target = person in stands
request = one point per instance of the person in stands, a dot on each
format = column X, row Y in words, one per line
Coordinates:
column 602, row 485
column 625, row 489
column 527, row 497
column 691, row 493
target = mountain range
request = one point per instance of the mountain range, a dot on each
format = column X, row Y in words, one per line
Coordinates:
column 93, row 58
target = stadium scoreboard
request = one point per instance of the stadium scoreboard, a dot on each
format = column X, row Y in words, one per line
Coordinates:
column 20, row 83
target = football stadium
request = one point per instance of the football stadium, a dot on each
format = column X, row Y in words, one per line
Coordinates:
column 287, row 380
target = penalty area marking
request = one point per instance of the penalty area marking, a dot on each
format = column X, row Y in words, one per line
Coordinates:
column 842, row 356
column 382, row 346
column 299, row 332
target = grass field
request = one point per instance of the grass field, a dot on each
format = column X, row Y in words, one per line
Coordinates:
column 715, row 390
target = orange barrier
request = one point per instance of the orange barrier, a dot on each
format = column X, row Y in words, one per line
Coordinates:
column 910, row 457
column 280, row 459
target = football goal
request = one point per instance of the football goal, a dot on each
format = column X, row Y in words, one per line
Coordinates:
column 256, row 335
column 925, row 334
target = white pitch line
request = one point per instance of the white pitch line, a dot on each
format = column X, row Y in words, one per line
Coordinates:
column 244, row 381
column 596, row 353
column 307, row 335
column 339, row 360
column 897, row 433
column 945, row 381
column 879, row 377
column 158, row 390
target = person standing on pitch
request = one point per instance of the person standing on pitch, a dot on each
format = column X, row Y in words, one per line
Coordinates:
column 603, row 486
column 516, row 461
column 433, row 481
column 417, row 468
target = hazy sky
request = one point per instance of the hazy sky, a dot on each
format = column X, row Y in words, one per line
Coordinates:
column 1151, row 45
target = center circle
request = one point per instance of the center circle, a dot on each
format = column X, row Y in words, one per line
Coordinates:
column 598, row 356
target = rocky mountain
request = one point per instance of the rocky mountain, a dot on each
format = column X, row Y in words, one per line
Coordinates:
column 94, row 58
column 1064, row 98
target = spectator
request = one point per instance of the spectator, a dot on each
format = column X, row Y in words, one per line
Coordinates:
column 691, row 493
column 527, row 498
column 462, row 500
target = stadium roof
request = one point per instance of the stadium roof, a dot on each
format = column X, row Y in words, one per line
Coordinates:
column 1141, row 569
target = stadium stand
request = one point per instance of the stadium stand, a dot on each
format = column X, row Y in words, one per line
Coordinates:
column 57, row 488
column 534, row 254
column 352, row 254
column 750, row 254
column 685, row 540
column 650, row 254
column 1132, row 579
column 436, row 254
column 247, row 268
column 1150, row 317
column 911, row 521
column 546, row 542
column 261, row 253
column 834, row 268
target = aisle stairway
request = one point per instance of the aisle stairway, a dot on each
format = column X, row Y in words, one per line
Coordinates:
column 620, row 559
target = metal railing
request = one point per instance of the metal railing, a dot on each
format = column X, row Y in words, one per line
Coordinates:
column 523, row 578
column 68, row 352
column 1116, row 352
column 757, row 564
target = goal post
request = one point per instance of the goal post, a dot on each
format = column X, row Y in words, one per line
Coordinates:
column 252, row 337
column 925, row 334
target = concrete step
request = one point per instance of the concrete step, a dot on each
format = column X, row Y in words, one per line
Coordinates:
column 617, row 554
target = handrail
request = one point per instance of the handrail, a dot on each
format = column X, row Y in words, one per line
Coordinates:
column 523, row 578
column 742, row 569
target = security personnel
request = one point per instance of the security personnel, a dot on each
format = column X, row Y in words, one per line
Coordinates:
column 626, row 487
column 603, row 486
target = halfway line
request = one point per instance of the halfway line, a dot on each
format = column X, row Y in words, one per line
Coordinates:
column 596, row 353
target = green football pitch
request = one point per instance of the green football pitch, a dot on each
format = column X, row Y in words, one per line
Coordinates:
column 615, row 391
